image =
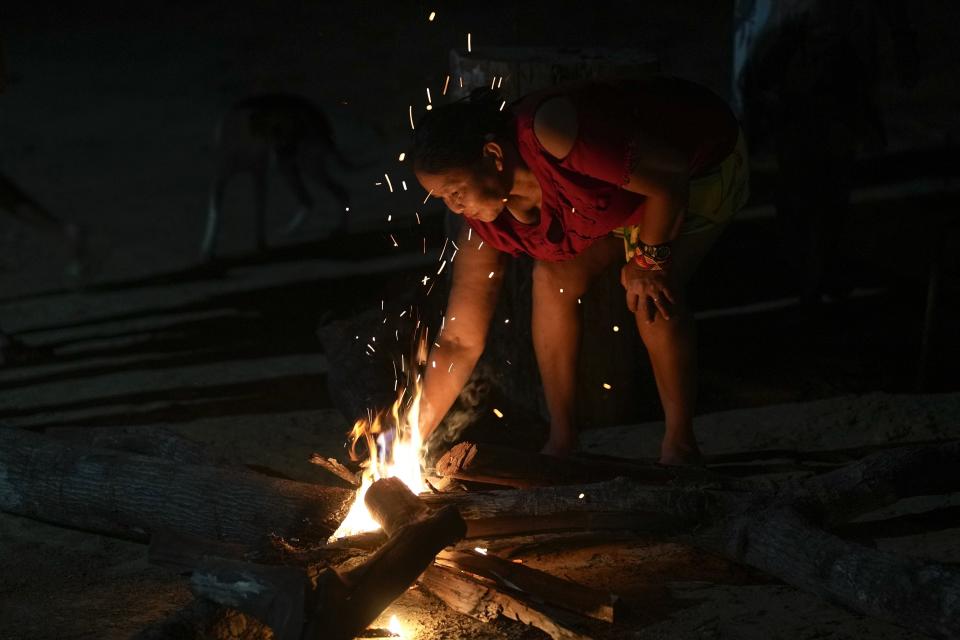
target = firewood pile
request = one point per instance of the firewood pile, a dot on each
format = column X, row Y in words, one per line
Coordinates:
column 259, row 563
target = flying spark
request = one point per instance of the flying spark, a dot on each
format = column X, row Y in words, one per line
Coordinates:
column 402, row 156
column 445, row 83
column 433, row 14
column 469, row 43
column 498, row 413
column 389, row 184
column 410, row 113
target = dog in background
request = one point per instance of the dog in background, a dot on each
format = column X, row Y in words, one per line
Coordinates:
column 287, row 132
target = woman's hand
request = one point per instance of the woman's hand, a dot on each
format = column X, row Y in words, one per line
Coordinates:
column 649, row 291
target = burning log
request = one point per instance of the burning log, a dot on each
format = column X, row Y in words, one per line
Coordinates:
column 131, row 496
column 498, row 465
column 349, row 602
column 340, row 606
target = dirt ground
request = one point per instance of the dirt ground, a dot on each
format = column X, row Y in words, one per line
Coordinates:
column 108, row 121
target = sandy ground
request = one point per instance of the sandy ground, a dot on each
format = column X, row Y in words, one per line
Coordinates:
column 104, row 588
column 108, row 121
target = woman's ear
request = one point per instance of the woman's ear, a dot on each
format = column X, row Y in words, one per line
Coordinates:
column 494, row 151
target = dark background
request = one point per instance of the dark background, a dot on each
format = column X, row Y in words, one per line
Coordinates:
column 107, row 120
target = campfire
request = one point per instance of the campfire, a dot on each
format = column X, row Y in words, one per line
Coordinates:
column 311, row 561
column 393, row 443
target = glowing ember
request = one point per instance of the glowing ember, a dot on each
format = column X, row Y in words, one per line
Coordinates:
column 393, row 440
column 481, row 550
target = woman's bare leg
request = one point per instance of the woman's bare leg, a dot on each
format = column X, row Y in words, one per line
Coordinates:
column 672, row 346
column 556, row 324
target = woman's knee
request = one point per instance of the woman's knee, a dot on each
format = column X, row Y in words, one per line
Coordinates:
column 558, row 277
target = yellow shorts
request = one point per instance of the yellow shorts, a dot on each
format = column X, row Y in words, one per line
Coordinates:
column 715, row 197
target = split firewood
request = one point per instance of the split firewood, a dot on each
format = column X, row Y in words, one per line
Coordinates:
column 132, row 496
column 484, row 601
column 498, row 465
column 539, row 585
column 520, row 593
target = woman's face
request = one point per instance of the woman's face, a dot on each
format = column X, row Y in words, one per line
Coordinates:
column 476, row 192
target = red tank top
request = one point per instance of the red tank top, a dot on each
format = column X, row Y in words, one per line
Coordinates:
column 582, row 198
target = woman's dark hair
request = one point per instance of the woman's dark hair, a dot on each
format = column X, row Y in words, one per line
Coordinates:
column 452, row 136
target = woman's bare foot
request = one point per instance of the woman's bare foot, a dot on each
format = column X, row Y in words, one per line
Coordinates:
column 559, row 448
column 680, row 454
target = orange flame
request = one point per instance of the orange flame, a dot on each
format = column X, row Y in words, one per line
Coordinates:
column 394, row 445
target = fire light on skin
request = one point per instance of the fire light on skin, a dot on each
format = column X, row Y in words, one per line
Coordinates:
column 394, row 442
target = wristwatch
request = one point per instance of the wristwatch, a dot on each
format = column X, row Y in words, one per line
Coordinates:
column 656, row 252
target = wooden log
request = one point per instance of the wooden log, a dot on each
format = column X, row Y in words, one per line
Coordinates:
column 183, row 553
column 505, row 466
column 481, row 600
column 573, row 521
column 274, row 595
column 145, row 440
column 393, row 505
column 910, row 593
column 132, row 496
column 538, row 584
column 663, row 505
column 878, row 480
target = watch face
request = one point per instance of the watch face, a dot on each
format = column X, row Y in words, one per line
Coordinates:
column 657, row 252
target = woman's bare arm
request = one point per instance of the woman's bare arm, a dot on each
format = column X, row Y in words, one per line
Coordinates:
column 477, row 276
